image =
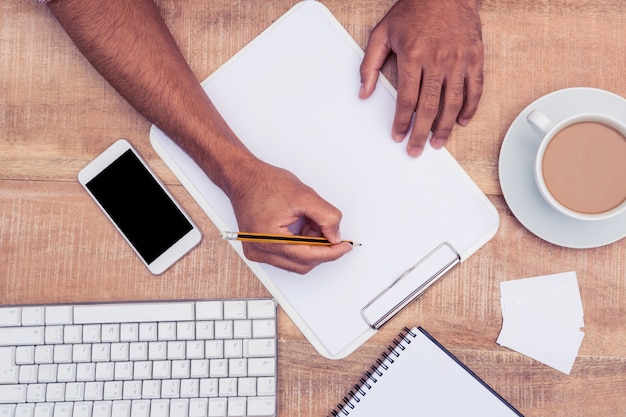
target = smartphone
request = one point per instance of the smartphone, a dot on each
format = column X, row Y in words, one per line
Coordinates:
column 140, row 207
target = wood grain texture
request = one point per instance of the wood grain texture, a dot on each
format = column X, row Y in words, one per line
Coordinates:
column 56, row 114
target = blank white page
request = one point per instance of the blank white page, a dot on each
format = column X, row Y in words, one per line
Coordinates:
column 425, row 381
column 292, row 97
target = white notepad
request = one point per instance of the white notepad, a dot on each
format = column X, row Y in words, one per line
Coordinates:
column 291, row 96
column 418, row 376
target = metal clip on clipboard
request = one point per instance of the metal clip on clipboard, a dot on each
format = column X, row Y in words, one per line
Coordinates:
column 410, row 285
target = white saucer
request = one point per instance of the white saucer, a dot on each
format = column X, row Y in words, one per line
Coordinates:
column 517, row 158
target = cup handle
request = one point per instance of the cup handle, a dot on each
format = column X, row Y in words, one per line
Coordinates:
column 539, row 122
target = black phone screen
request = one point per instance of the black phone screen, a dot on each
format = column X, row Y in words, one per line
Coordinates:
column 138, row 205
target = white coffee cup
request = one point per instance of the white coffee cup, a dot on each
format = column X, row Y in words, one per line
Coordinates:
column 580, row 167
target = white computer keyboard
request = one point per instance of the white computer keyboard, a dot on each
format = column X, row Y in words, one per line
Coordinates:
column 139, row 359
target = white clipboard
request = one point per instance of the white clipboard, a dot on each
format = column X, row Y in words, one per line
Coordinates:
column 291, row 96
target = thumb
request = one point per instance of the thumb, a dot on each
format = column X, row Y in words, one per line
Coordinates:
column 376, row 52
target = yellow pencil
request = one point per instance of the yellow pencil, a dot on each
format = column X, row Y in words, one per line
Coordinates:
column 286, row 239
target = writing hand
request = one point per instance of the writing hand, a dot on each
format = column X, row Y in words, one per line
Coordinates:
column 269, row 200
column 440, row 66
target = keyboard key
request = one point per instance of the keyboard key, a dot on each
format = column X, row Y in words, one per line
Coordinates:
column 209, row 310
column 9, row 372
column 102, row 409
column 55, row 392
column 32, row 316
column 218, row 368
column 261, row 367
column 82, row 409
column 217, row 407
column 236, row 407
column 140, row 408
column 113, row 390
column 25, row 410
column 242, row 329
column 12, row 394
column 167, row 331
column 138, row 351
column 7, row 410
column 129, row 332
column 36, row 393
column 44, row 410
column 263, row 328
column 10, row 316
column 110, row 333
column 59, row 315
column 151, row 389
column 179, row 408
column 28, row 374
column 261, row 406
column 20, row 336
column 62, row 409
column 75, row 391
column 208, row 387
column 53, row 335
column 134, row 312
column 199, row 368
column 195, row 349
column 247, row 387
column 94, row 391
column 72, row 334
column 261, row 309
column 24, row 355
column 204, row 330
column 170, row 388
column 185, row 330
column 224, row 329
column 189, row 388
column 148, row 332
column 131, row 390
column 198, row 407
column 85, row 372
column 227, row 387
column 259, row 347
column 160, row 408
column 120, row 409
column 234, row 310
column 92, row 334
column 47, row 373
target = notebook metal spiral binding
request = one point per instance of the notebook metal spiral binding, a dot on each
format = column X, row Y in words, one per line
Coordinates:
column 367, row 381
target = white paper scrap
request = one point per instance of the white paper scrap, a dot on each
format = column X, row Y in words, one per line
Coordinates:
column 542, row 317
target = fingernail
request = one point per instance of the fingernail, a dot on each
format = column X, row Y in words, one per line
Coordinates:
column 398, row 137
column 415, row 151
column 362, row 90
column 437, row 143
column 464, row 122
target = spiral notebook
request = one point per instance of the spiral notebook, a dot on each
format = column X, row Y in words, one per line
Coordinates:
column 291, row 96
column 418, row 376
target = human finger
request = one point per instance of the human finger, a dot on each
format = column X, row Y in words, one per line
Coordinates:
column 426, row 112
column 376, row 52
column 409, row 84
column 295, row 258
column 474, row 81
column 451, row 104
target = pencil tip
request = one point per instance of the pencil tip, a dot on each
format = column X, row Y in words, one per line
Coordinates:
column 228, row 235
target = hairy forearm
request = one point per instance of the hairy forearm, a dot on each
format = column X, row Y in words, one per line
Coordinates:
column 130, row 45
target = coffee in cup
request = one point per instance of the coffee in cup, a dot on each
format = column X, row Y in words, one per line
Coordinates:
column 580, row 168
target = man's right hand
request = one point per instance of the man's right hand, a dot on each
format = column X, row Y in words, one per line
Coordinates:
column 267, row 199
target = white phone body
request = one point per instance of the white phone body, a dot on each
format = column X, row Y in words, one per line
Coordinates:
column 140, row 207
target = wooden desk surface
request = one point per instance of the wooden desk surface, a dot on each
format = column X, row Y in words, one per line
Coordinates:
column 56, row 114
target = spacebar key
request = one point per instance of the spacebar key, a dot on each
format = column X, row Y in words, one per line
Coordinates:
column 133, row 312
